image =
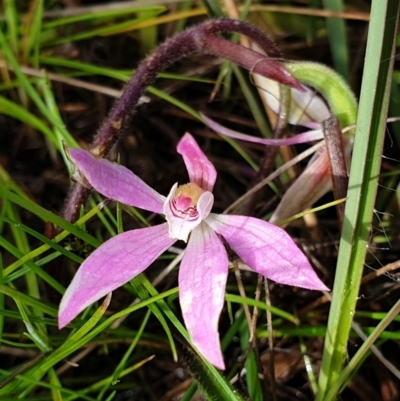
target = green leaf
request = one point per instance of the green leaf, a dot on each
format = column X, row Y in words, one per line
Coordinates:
column 213, row 8
column 45, row 215
column 337, row 38
column 363, row 181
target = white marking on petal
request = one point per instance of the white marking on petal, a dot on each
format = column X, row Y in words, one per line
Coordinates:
column 186, row 300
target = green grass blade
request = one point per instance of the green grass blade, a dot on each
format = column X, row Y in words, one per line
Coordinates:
column 87, row 34
column 45, row 215
column 61, row 133
column 27, row 300
column 33, row 33
column 40, row 369
column 213, row 8
column 11, row 16
column 81, row 337
column 38, row 251
column 337, row 38
column 215, row 386
column 350, row 369
column 28, row 87
column 213, row 383
column 252, row 377
column 12, row 109
column 2, row 304
column 22, row 244
column 253, row 100
column 148, row 36
column 105, row 15
column 124, row 360
column 137, row 284
column 261, row 305
column 33, row 267
column 49, row 243
column 364, row 173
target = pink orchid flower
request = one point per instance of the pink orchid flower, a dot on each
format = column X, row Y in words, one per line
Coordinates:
column 307, row 110
column 265, row 248
column 313, row 183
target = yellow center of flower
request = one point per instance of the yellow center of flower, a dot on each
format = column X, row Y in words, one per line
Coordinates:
column 187, row 195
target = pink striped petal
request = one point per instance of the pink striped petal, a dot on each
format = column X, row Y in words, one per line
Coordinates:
column 117, row 261
column 116, row 182
column 295, row 140
column 313, row 183
column 201, row 171
column 202, row 280
column 267, row 249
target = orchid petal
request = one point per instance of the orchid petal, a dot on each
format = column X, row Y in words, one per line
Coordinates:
column 113, row 264
column 202, row 280
column 116, row 182
column 267, row 249
column 313, row 183
column 306, row 108
column 181, row 223
column 299, row 138
column 201, row 171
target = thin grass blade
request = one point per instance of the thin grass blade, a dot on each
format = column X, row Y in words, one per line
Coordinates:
column 363, row 181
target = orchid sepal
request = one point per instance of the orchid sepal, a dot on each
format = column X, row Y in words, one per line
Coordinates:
column 201, row 171
column 108, row 178
column 202, row 280
column 312, row 135
column 267, row 249
column 112, row 265
column 314, row 182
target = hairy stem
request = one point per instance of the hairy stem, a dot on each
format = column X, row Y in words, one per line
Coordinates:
column 199, row 39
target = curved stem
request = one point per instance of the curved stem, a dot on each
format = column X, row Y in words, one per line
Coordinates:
column 199, row 39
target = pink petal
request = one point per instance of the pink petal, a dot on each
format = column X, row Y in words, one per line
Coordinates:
column 267, row 249
column 181, row 225
column 116, row 182
column 201, row 171
column 117, row 261
column 311, row 185
column 202, row 280
column 299, row 138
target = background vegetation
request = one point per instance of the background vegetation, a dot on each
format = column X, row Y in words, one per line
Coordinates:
column 63, row 63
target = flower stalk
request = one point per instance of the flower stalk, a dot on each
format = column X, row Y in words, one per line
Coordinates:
column 310, row 111
column 197, row 40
